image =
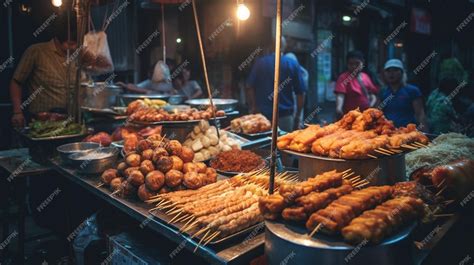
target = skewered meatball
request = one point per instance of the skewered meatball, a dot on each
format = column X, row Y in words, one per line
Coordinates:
column 174, row 147
column 173, row 178
column 146, row 166
column 211, row 175
column 220, row 113
column 144, row 193
column 201, row 167
column 109, row 175
column 164, row 164
column 164, row 190
column 177, row 163
column 192, row 180
column 133, row 160
column 136, row 178
column 154, row 137
column 155, row 180
column 128, row 190
column 143, row 145
column 187, row 154
column 158, row 153
column 147, row 154
column 116, row 183
column 129, row 171
column 190, row 167
column 121, row 167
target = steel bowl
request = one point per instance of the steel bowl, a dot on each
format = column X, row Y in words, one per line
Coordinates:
column 128, row 98
column 86, row 163
column 176, row 99
column 220, row 103
column 99, row 95
column 66, row 150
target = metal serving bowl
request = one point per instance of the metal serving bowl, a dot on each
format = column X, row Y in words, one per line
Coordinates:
column 176, row 99
column 220, row 103
column 86, row 163
column 66, row 150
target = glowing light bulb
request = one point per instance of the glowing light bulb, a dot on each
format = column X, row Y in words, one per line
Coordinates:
column 346, row 18
column 178, row 40
column 57, row 3
column 243, row 12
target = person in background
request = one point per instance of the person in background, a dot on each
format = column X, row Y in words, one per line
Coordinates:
column 401, row 103
column 354, row 88
column 440, row 106
column 186, row 87
column 304, row 74
column 260, row 88
column 149, row 86
column 42, row 72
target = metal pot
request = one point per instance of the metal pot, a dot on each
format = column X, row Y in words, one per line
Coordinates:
column 220, row 103
column 99, row 95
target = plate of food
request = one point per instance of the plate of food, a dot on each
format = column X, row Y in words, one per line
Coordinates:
column 253, row 125
column 235, row 161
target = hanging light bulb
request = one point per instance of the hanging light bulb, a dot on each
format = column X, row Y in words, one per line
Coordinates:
column 178, row 40
column 57, row 3
column 243, row 12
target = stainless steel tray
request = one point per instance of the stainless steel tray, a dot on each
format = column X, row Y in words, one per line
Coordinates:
column 220, row 103
column 25, row 133
column 188, row 122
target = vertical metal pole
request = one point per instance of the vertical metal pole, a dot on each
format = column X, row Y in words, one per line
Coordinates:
column 82, row 13
column 276, row 83
column 163, row 33
column 203, row 58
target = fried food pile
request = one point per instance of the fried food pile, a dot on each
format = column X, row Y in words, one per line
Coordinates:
column 237, row 161
column 249, row 124
column 158, row 165
column 355, row 136
column 139, row 111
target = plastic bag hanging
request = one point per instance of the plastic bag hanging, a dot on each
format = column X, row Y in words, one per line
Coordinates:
column 96, row 53
column 161, row 73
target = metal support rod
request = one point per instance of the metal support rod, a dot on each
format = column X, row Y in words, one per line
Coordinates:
column 276, row 83
column 203, row 58
column 82, row 12
column 163, row 32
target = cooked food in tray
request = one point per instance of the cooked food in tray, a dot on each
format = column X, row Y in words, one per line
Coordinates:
column 54, row 128
column 157, row 165
column 357, row 135
column 219, row 209
column 139, row 111
column 237, row 161
column 250, row 124
column 206, row 144
column 102, row 138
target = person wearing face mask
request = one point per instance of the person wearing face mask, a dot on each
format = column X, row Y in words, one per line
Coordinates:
column 42, row 72
column 354, row 88
column 401, row 102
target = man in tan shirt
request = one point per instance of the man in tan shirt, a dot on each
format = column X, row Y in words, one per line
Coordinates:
column 42, row 71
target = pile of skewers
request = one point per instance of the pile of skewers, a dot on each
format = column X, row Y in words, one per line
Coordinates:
column 219, row 209
column 357, row 135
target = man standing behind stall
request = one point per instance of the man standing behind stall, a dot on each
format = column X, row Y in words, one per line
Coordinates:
column 42, row 72
column 260, row 89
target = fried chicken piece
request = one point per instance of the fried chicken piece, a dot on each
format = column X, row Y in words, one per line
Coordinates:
column 302, row 142
column 367, row 120
column 283, row 142
column 346, row 121
column 335, row 148
column 359, row 149
column 321, row 146
column 295, row 213
column 415, row 190
column 271, row 206
column 318, row 183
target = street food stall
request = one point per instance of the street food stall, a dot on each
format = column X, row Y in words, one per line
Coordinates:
column 364, row 191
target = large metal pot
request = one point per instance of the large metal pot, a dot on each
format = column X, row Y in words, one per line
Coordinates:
column 99, row 95
column 220, row 103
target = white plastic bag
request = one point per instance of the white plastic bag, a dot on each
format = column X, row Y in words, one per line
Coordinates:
column 96, row 54
column 161, row 73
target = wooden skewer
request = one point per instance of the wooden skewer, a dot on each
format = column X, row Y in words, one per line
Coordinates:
column 347, row 171
column 202, row 239
column 414, row 145
column 388, row 151
column 360, row 182
column 448, row 202
column 200, row 232
column 315, row 230
column 115, row 192
column 175, row 211
column 171, row 210
column 382, row 152
column 441, row 183
column 409, row 147
column 418, row 245
column 371, row 156
column 154, row 209
column 348, row 175
column 100, row 185
column 395, row 150
column 174, row 218
column 441, row 191
column 420, row 144
column 184, row 218
column 361, row 186
column 443, row 215
column 212, row 237
column 187, row 227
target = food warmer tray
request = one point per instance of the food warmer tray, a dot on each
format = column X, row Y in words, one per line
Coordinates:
column 291, row 242
column 386, row 170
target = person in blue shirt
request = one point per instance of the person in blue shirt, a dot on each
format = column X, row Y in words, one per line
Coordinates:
column 260, row 89
column 401, row 102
